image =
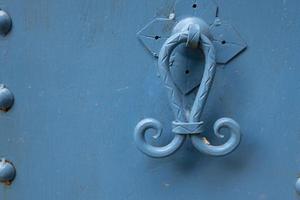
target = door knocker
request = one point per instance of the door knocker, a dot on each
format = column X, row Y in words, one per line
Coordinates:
column 197, row 31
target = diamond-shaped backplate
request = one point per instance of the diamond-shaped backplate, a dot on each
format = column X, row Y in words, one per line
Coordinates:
column 186, row 68
column 186, row 65
column 227, row 41
column 207, row 9
column 154, row 34
column 225, row 38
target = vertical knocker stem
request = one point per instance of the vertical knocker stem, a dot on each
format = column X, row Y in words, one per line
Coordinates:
column 187, row 125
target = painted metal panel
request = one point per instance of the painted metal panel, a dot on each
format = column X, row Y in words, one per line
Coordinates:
column 82, row 80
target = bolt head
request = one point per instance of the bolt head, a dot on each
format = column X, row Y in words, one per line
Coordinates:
column 7, row 171
column 5, row 23
column 6, row 98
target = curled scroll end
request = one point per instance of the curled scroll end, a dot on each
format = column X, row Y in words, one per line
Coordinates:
column 150, row 150
column 221, row 150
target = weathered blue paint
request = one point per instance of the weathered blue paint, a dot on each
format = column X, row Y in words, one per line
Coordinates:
column 82, row 81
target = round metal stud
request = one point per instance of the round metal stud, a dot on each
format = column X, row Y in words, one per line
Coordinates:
column 297, row 186
column 6, row 98
column 5, row 23
column 7, row 171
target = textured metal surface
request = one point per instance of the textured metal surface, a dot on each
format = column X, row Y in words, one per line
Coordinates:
column 83, row 82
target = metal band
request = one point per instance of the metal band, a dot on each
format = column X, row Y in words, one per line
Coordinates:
column 187, row 128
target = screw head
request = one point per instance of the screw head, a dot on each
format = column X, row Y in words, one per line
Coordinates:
column 5, row 23
column 6, row 98
column 7, row 171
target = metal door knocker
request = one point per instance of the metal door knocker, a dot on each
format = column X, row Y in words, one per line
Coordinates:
column 219, row 43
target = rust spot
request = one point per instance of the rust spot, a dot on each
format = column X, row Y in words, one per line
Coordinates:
column 7, row 183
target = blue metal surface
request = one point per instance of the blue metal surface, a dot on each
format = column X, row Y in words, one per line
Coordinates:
column 82, row 81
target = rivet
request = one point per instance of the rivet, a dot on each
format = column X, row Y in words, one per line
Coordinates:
column 5, row 23
column 297, row 186
column 7, row 171
column 6, row 98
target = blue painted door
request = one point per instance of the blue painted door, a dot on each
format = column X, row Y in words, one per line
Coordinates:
column 82, row 81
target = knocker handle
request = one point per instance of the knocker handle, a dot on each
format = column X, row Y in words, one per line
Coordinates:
column 187, row 122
